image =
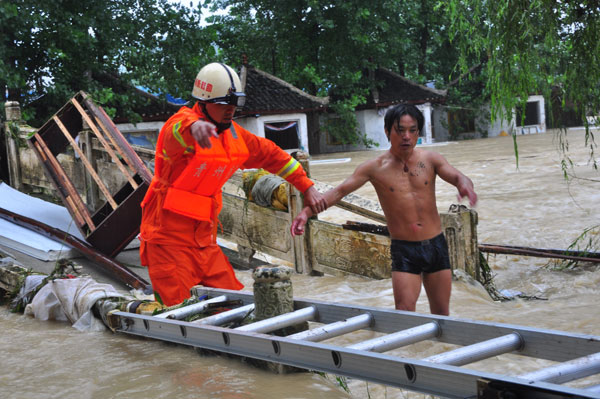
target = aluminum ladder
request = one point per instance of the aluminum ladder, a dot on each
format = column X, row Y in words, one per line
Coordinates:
column 577, row 355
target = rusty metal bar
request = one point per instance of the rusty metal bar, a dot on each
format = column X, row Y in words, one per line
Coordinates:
column 580, row 256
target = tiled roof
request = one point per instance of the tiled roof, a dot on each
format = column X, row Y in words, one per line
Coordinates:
column 395, row 89
column 267, row 94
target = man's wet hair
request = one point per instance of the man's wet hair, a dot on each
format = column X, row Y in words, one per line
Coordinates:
column 396, row 112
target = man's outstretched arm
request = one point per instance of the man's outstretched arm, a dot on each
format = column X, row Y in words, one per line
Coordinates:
column 450, row 174
column 332, row 197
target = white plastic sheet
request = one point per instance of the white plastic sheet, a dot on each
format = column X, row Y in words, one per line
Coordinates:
column 72, row 300
column 28, row 241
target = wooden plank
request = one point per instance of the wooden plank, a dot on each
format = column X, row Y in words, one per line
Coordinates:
column 349, row 252
column 131, row 157
column 86, row 162
column 356, row 204
column 107, row 147
column 77, row 206
column 116, row 146
column 263, row 229
column 300, row 247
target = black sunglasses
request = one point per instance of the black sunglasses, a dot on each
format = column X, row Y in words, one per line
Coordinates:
column 233, row 98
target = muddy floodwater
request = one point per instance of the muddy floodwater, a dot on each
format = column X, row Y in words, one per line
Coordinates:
column 532, row 206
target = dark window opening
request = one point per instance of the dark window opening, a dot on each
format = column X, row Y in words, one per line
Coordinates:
column 284, row 134
column 531, row 114
column 460, row 121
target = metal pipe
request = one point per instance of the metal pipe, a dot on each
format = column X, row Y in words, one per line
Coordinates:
column 225, row 317
column 567, row 371
column 479, row 351
column 398, row 339
column 335, row 329
column 281, row 321
column 181, row 313
column 593, row 388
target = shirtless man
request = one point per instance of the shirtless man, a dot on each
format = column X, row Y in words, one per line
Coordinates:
column 404, row 179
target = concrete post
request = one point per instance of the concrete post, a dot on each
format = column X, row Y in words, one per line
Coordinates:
column 13, row 121
column 273, row 293
column 273, row 296
column 460, row 230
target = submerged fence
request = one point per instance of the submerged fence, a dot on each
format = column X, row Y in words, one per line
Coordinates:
column 324, row 248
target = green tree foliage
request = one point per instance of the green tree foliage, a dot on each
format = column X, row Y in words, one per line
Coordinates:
column 327, row 48
column 534, row 46
column 56, row 48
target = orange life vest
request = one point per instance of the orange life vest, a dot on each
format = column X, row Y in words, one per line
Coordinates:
column 196, row 193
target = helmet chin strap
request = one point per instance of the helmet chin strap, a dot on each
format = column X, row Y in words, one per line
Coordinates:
column 221, row 127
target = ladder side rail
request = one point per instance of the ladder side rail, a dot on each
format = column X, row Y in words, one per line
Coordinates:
column 412, row 374
column 568, row 371
column 479, row 351
column 227, row 316
column 335, row 329
column 281, row 321
column 398, row 339
column 540, row 343
column 183, row 312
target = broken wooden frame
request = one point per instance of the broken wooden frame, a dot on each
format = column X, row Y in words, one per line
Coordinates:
column 330, row 248
column 116, row 222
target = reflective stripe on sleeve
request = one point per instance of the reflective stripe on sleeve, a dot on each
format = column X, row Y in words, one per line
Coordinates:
column 289, row 168
column 178, row 136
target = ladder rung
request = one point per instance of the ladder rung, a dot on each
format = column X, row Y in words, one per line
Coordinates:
column 281, row 321
column 335, row 329
column 479, row 351
column 225, row 317
column 400, row 338
column 181, row 313
column 567, row 371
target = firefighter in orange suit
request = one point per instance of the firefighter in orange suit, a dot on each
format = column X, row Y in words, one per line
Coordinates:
column 198, row 149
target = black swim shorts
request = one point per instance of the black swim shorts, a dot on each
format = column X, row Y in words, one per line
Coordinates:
column 418, row 257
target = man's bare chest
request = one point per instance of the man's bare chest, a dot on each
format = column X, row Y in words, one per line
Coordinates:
column 413, row 177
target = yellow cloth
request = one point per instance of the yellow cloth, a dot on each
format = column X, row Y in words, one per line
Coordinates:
column 279, row 198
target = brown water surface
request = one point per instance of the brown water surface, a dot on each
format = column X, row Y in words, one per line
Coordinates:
column 531, row 206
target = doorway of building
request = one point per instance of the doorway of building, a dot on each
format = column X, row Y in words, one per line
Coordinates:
column 532, row 115
column 284, row 134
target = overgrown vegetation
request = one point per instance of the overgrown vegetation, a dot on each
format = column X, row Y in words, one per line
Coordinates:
column 588, row 245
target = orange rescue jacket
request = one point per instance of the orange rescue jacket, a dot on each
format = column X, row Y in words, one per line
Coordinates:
column 184, row 198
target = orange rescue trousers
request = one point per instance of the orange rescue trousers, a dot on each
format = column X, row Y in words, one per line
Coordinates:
column 174, row 270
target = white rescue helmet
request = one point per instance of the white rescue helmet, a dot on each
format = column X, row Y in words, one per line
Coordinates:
column 219, row 83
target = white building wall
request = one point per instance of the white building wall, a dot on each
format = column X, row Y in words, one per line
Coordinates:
column 371, row 123
column 539, row 127
column 486, row 128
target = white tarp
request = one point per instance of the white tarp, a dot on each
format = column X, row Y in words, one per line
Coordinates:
column 72, row 300
column 30, row 242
